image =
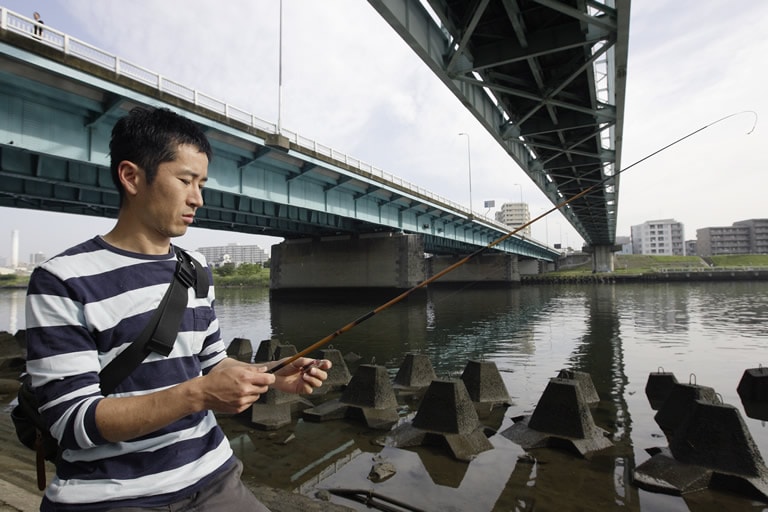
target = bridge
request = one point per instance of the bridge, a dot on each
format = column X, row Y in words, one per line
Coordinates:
column 547, row 79
column 61, row 97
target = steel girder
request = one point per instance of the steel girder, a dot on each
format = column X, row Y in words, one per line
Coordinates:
column 546, row 78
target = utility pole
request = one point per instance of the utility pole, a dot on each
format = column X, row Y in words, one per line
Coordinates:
column 469, row 167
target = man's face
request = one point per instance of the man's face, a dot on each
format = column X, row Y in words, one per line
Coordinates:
column 167, row 207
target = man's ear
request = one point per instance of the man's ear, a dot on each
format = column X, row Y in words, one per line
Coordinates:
column 130, row 176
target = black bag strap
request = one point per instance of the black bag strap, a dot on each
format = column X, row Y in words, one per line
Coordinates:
column 160, row 332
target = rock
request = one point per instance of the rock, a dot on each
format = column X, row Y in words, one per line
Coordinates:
column 323, row 495
column 381, row 471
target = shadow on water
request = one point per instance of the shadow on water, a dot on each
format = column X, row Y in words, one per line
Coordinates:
column 530, row 333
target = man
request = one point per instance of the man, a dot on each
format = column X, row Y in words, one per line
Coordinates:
column 155, row 441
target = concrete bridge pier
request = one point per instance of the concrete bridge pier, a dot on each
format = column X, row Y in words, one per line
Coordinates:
column 493, row 268
column 603, row 257
column 373, row 261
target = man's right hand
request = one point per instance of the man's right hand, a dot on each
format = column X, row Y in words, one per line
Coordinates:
column 232, row 388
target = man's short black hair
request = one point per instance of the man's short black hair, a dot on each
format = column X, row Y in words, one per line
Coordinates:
column 150, row 136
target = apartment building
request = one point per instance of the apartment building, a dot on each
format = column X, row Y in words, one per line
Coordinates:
column 515, row 215
column 660, row 237
column 743, row 237
column 758, row 234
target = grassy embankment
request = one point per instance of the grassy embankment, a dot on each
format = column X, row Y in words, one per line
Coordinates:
column 14, row 280
column 643, row 264
column 260, row 280
column 633, row 264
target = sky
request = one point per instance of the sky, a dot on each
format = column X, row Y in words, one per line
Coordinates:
column 350, row 82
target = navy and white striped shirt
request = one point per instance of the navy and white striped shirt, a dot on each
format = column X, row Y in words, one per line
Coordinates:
column 83, row 308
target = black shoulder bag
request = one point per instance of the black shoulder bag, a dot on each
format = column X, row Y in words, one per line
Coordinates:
column 158, row 336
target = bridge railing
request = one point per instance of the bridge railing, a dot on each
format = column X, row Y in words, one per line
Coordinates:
column 19, row 24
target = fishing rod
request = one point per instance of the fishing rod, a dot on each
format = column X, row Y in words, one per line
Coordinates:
column 338, row 332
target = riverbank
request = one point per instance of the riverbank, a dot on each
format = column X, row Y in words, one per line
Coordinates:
column 671, row 275
column 639, row 268
column 575, row 269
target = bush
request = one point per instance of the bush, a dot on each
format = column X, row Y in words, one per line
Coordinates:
column 226, row 269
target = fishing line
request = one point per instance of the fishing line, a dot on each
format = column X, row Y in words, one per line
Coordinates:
column 338, row 332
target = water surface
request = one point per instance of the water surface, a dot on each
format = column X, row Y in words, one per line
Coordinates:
column 704, row 333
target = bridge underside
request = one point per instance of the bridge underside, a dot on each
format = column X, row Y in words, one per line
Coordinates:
column 546, row 78
column 56, row 114
column 37, row 181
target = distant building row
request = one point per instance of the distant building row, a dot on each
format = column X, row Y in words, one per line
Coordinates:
column 234, row 253
column 216, row 256
column 667, row 237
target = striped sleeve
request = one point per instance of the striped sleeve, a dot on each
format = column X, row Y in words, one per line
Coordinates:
column 62, row 361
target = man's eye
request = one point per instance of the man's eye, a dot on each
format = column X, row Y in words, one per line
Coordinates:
column 184, row 181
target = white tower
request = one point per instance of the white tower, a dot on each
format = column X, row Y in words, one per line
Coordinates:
column 15, row 248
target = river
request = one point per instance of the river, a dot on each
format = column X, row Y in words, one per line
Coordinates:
column 704, row 333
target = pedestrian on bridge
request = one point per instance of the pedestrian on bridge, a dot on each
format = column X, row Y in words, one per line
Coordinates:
column 38, row 25
column 154, row 443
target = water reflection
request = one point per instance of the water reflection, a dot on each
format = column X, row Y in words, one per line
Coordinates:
column 12, row 310
column 449, row 326
column 663, row 311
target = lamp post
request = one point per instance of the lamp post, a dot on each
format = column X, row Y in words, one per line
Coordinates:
column 546, row 225
column 521, row 191
column 469, row 167
column 280, row 73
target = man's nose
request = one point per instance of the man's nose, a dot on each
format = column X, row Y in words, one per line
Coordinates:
column 196, row 198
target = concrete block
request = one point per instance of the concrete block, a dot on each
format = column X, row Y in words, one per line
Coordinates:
column 370, row 387
column 266, row 350
column 658, row 387
column 753, row 391
column 240, row 349
column 680, row 403
column 484, row 383
column 447, row 408
column 338, row 375
column 416, row 371
column 584, row 381
column 561, row 419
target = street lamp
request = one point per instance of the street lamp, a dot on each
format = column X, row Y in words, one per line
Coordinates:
column 280, row 74
column 521, row 191
column 469, row 167
column 544, row 212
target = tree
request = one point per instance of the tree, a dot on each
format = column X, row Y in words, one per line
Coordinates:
column 248, row 269
column 227, row 269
